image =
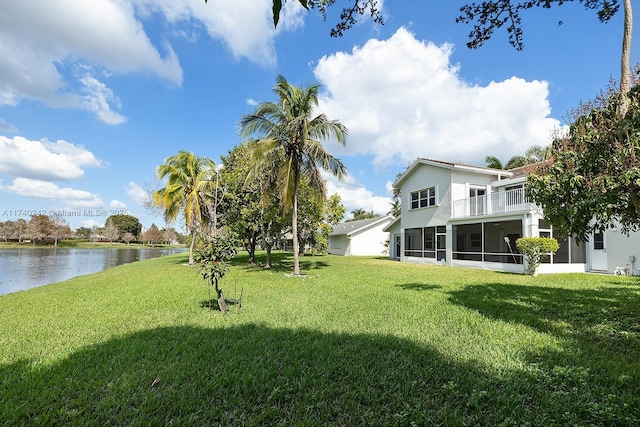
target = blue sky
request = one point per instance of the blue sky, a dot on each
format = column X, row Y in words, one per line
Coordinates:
column 94, row 95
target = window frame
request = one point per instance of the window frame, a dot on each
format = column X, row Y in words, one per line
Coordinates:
column 418, row 200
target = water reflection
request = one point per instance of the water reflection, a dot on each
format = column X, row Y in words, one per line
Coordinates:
column 22, row 269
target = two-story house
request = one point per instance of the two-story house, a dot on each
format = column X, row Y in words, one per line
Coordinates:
column 461, row 215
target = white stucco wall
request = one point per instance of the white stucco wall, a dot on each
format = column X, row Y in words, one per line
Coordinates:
column 425, row 176
column 370, row 242
column 619, row 248
column 338, row 245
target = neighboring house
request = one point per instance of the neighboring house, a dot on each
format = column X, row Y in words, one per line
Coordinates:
column 462, row 215
column 363, row 237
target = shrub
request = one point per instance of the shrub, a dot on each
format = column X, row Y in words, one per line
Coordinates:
column 535, row 250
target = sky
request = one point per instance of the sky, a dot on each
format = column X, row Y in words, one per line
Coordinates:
column 95, row 95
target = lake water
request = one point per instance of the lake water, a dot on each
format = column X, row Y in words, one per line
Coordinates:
column 22, row 269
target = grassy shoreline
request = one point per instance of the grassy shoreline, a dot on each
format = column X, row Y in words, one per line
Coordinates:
column 83, row 244
column 357, row 341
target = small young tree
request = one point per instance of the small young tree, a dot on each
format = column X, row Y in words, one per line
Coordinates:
column 59, row 229
column 111, row 232
column 535, row 250
column 128, row 238
column 39, row 228
column 153, row 235
column 211, row 262
column 95, row 234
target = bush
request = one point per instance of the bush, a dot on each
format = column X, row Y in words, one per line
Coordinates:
column 535, row 250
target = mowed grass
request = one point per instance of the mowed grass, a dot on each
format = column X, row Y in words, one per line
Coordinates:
column 357, row 341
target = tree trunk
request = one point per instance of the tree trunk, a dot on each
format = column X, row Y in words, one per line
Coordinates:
column 625, row 61
column 268, row 246
column 193, row 243
column 222, row 305
column 251, row 248
column 294, row 216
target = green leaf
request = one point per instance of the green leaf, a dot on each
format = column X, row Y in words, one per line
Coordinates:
column 277, row 7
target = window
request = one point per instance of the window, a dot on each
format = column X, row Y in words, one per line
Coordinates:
column 420, row 242
column 423, row 198
column 429, row 242
column 413, row 242
column 598, row 241
column 429, row 238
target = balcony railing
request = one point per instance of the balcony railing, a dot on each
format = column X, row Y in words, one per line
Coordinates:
column 494, row 203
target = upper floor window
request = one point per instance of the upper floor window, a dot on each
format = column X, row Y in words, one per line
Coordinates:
column 423, row 198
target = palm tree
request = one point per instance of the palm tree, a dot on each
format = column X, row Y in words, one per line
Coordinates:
column 290, row 139
column 396, row 207
column 537, row 153
column 493, row 162
column 514, row 162
column 189, row 178
column 625, row 60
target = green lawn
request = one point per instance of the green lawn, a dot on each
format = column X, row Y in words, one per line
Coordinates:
column 358, row 341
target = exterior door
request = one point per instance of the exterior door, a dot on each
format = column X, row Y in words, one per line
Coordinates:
column 397, row 246
column 598, row 252
column 476, row 201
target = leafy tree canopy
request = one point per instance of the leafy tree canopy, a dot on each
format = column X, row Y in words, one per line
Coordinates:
column 594, row 180
column 486, row 16
column 334, row 209
column 126, row 224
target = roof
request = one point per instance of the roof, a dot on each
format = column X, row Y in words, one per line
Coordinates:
column 533, row 168
column 352, row 227
column 388, row 226
column 451, row 165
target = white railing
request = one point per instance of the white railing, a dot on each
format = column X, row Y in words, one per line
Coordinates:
column 494, row 203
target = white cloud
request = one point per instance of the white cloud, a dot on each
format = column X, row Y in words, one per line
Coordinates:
column 98, row 98
column 39, row 43
column 44, row 160
column 355, row 196
column 245, row 27
column 90, row 223
column 38, row 189
column 117, row 204
column 41, row 46
column 402, row 98
column 136, row 193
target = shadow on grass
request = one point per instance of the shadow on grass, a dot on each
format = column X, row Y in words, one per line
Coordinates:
column 418, row 287
column 606, row 314
column 599, row 328
column 281, row 262
column 253, row 375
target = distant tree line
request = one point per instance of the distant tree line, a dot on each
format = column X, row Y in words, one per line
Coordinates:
column 45, row 229
column 39, row 229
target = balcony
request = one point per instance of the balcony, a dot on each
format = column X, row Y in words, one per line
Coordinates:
column 496, row 203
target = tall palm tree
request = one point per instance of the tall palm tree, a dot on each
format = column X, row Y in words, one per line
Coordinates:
column 625, row 60
column 290, row 139
column 493, row 162
column 514, row 162
column 189, row 179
